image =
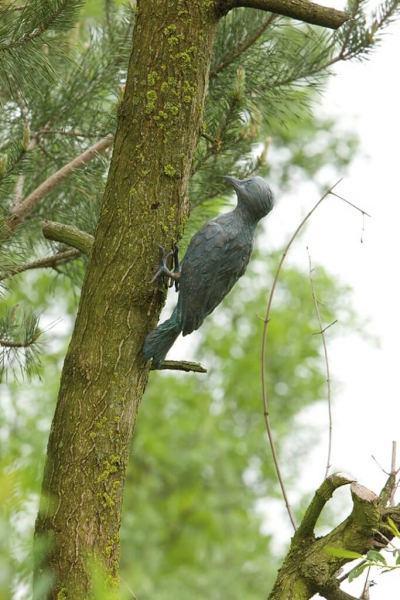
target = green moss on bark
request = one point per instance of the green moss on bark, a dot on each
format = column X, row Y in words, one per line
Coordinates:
column 104, row 374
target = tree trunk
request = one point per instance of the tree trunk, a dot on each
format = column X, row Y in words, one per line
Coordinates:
column 145, row 203
column 104, row 374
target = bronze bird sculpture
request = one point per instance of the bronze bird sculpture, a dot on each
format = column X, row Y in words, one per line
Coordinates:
column 217, row 256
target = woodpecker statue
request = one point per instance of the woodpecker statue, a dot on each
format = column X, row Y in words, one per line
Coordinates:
column 218, row 254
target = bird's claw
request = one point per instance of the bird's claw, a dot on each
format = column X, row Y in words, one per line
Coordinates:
column 163, row 272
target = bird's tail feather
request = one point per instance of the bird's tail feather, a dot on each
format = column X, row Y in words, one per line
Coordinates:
column 160, row 340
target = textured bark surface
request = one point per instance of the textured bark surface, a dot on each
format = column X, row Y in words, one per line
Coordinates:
column 309, row 568
column 305, row 11
column 104, row 375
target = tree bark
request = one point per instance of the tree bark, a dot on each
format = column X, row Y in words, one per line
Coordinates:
column 309, row 568
column 304, row 10
column 104, row 374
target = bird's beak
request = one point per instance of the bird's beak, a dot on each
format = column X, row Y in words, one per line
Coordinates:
column 235, row 183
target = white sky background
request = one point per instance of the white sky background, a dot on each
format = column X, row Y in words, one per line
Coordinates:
column 364, row 97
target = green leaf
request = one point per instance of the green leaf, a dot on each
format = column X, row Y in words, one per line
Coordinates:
column 342, row 553
column 376, row 557
column 394, row 527
column 357, row 571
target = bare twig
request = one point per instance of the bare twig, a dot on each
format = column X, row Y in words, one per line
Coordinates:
column 385, row 539
column 381, row 468
column 351, row 204
column 325, row 328
column 394, row 452
column 210, row 138
column 393, row 473
column 181, row 365
column 264, row 339
column 132, row 594
column 20, row 212
column 48, row 261
column 263, row 353
column 71, row 133
column 18, row 190
column 366, row 586
column 328, row 377
column 346, row 575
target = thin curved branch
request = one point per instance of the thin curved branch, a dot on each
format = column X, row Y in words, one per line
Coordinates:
column 20, row 212
column 263, row 353
column 323, row 494
column 302, row 10
column 328, row 376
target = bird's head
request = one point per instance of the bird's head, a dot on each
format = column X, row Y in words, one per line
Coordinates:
column 254, row 194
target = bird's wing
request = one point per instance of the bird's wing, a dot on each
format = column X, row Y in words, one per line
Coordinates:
column 213, row 263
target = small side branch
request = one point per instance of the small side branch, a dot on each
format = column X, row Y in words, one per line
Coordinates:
column 49, row 261
column 66, row 234
column 20, row 212
column 333, row 592
column 323, row 494
column 302, row 10
column 181, row 365
column 10, row 344
column 388, row 491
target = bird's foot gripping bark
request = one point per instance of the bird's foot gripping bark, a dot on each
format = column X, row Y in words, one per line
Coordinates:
column 163, row 272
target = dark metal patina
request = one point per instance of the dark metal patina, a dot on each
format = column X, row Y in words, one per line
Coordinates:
column 216, row 258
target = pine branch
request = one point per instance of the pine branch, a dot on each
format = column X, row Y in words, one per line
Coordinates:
column 20, row 212
column 302, row 10
column 72, row 133
column 11, row 344
column 38, row 31
column 49, row 261
column 244, row 45
column 16, row 8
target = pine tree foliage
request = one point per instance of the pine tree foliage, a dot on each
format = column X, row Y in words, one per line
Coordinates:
column 61, row 81
column 29, row 35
